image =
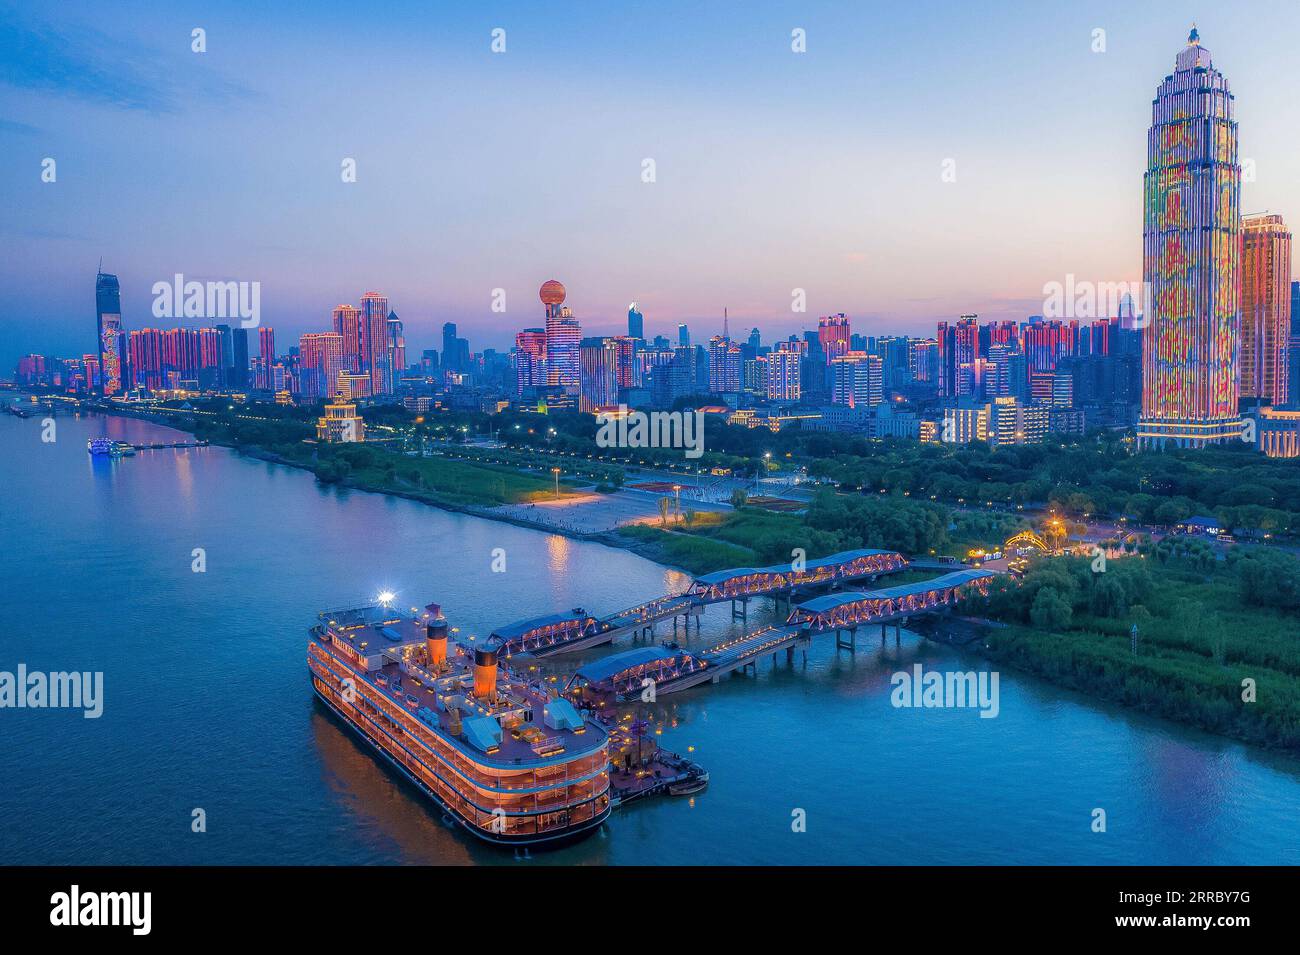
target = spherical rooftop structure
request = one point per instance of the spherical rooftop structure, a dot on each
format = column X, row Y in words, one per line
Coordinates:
column 552, row 293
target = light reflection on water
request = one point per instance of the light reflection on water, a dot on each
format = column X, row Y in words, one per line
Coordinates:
column 208, row 704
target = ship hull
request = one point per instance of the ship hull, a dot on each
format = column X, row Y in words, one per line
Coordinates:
column 553, row 840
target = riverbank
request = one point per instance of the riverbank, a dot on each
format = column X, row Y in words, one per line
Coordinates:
column 640, row 547
column 1202, row 656
column 1194, row 677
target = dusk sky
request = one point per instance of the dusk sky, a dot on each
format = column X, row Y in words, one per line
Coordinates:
column 476, row 171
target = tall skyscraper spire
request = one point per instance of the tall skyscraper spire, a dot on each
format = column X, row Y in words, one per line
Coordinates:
column 1191, row 251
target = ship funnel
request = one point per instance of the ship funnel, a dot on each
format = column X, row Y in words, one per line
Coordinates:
column 435, row 639
column 485, row 674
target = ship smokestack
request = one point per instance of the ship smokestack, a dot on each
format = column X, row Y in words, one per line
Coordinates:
column 485, row 674
column 435, row 640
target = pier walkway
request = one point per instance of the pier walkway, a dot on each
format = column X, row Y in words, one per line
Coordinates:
column 626, row 676
column 578, row 630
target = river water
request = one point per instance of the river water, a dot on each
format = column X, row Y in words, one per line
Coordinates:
column 207, row 704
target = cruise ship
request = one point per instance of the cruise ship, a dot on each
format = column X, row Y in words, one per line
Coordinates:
column 511, row 763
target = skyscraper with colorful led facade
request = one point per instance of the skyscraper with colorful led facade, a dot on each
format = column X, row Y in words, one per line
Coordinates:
column 108, row 318
column 1191, row 259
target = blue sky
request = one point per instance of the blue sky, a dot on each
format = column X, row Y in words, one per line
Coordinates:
column 477, row 171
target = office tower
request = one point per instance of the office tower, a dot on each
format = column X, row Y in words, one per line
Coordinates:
column 320, row 359
column 1293, row 350
column 563, row 335
column 347, row 324
column 724, row 366
column 856, row 380
column 650, row 361
column 683, row 335
column 1012, row 422
column 396, row 350
column 626, row 366
column 352, row 385
column 784, row 374
column 241, row 358
column 108, row 331
column 598, row 364
column 635, row 322
column 923, row 360
column 958, row 349
column 374, row 342
column 266, row 349
column 966, row 423
column 1265, row 308
column 895, row 354
column 1127, row 313
column 1100, row 334
column 226, row 356
column 1191, row 252
column 450, row 356
column 755, row 339
column 674, row 380
column 833, row 334
column 530, row 359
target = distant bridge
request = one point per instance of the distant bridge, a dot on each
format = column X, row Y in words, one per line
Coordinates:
column 578, row 630
column 621, row 676
column 171, row 444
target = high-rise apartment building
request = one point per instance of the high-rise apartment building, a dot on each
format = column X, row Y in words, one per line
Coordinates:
column 1265, row 308
column 374, row 342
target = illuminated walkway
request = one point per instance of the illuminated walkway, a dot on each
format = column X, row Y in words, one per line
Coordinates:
column 562, row 633
column 623, row 676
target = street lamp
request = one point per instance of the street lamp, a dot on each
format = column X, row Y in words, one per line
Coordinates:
column 556, row 472
column 677, row 489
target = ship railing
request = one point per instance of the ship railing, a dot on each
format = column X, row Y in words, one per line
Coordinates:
column 547, row 744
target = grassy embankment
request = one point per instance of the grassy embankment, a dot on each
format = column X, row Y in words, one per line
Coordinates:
column 435, row 480
column 1203, row 628
column 1206, row 637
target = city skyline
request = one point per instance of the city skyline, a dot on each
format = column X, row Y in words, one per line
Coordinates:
column 955, row 525
column 614, row 238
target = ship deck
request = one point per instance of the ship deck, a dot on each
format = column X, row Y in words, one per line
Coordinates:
column 530, row 741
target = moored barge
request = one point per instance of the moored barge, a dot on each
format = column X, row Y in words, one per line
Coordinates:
column 509, row 762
